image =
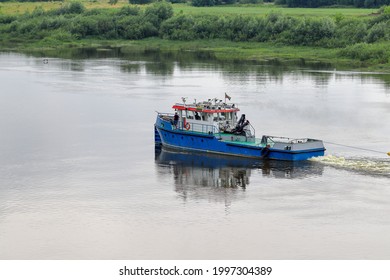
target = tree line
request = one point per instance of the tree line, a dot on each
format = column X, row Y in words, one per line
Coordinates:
column 295, row 3
column 323, row 3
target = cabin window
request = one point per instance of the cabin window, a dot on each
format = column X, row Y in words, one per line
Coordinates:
column 190, row 115
column 218, row 117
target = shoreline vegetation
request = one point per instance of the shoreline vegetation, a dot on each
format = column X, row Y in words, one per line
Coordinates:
column 348, row 39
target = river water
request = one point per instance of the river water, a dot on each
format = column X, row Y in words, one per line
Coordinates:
column 80, row 177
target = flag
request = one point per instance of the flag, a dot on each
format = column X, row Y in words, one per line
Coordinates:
column 227, row 96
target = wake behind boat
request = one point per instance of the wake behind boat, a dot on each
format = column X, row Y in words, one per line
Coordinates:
column 213, row 126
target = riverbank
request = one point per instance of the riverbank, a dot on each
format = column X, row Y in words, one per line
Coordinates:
column 356, row 43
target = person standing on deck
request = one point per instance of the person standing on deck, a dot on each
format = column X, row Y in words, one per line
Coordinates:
column 175, row 119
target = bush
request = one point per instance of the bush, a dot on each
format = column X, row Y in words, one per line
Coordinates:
column 106, row 27
column 53, row 23
column 129, row 11
column 240, row 28
column 162, row 10
column 350, row 31
column 311, row 31
column 62, row 36
column 378, row 32
column 83, row 27
column 5, row 19
column 140, row 2
column 69, row 8
column 178, row 28
column 135, row 28
column 278, row 23
column 208, row 27
column 365, row 52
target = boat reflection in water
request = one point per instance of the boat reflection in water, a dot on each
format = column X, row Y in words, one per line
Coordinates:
column 198, row 169
column 202, row 171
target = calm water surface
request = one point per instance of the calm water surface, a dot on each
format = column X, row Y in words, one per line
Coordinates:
column 80, row 177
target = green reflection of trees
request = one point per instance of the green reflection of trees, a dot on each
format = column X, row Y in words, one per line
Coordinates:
column 160, row 68
column 156, row 62
column 130, row 68
column 385, row 78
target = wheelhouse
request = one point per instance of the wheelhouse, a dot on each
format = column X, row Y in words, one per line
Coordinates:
column 221, row 115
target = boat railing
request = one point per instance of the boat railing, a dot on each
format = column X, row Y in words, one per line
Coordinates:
column 274, row 139
column 198, row 127
column 189, row 126
column 167, row 115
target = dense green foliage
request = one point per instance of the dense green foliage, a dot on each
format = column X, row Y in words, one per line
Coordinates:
column 361, row 38
column 73, row 21
column 298, row 3
column 328, row 32
column 207, row 3
column 141, row 2
column 322, row 3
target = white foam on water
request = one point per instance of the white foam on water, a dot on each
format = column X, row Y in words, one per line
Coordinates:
column 366, row 165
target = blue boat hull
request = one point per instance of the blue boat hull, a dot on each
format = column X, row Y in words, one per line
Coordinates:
column 187, row 140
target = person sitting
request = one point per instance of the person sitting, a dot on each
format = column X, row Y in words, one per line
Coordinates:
column 197, row 117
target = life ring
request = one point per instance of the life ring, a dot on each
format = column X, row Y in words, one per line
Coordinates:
column 187, row 126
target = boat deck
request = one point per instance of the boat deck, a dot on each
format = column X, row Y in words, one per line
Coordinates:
column 256, row 143
column 221, row 136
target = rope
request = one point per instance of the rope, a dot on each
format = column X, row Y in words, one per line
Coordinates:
column 358, row 148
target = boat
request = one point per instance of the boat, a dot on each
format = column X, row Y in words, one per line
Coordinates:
column 213, row 126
